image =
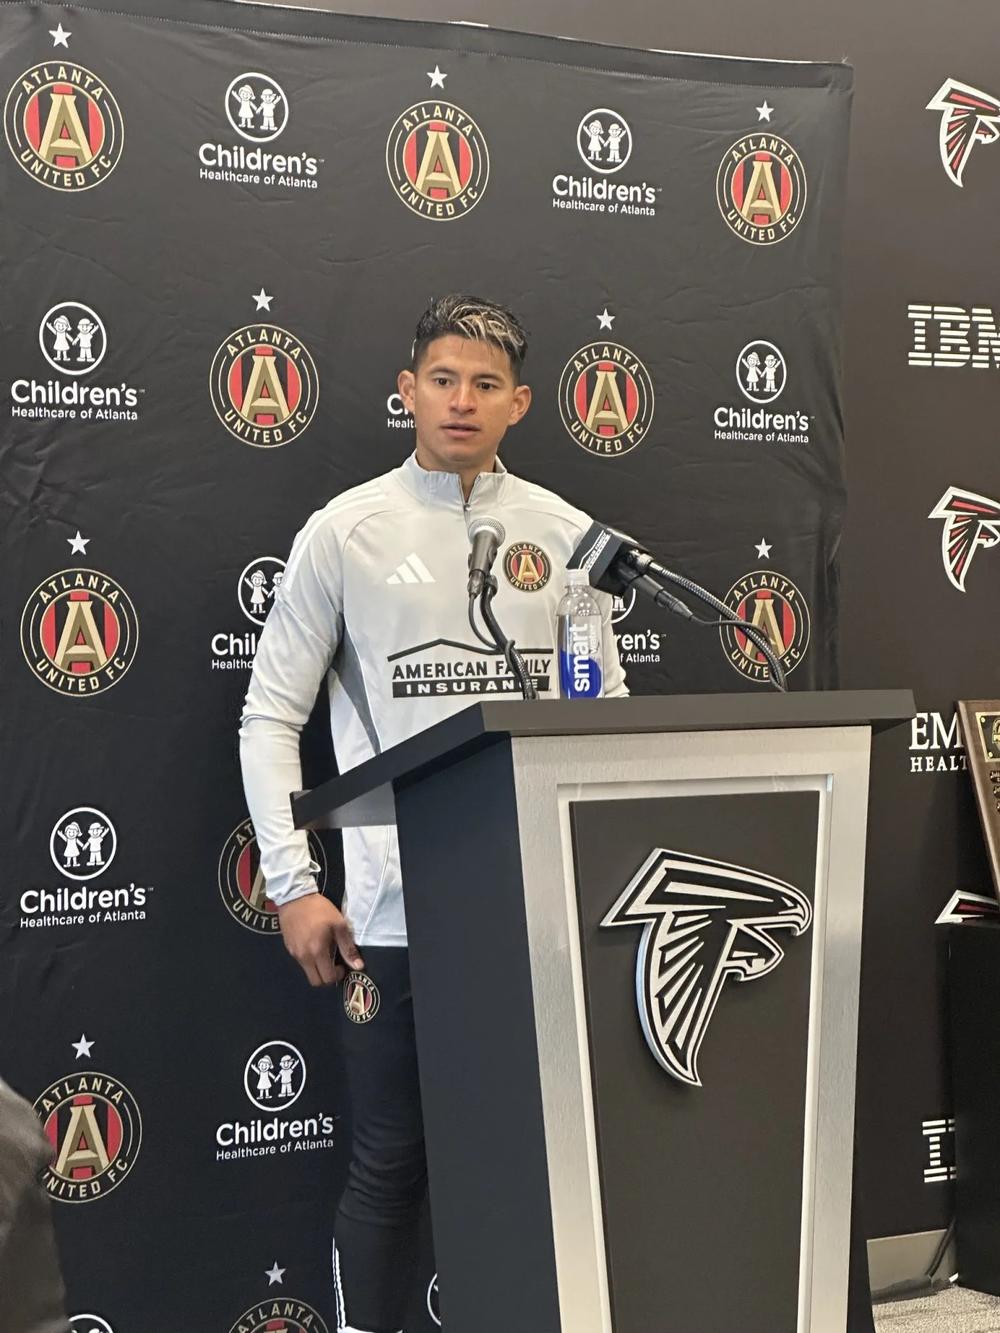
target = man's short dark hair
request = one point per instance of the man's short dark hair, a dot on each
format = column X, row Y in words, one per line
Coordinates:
column 472, row 317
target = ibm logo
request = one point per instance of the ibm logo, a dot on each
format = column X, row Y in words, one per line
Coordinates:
column 950, row 335
column 939, row 1136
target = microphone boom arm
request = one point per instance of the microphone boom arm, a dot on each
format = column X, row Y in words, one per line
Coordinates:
column 646, row 567
column 614, row 562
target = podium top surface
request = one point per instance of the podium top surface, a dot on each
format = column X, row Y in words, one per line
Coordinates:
column 487, row 723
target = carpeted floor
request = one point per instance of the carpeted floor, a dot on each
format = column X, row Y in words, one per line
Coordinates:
column 954, row 1311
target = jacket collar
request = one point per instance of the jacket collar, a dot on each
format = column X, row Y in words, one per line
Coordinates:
column 445, row 488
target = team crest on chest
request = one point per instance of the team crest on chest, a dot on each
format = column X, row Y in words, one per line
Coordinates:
column 526, row 566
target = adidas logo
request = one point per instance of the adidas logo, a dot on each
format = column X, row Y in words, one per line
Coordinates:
column 412, row 570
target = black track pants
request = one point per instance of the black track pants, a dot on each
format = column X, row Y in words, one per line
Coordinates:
column 375, row 1233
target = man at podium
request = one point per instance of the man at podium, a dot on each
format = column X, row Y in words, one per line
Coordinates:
column 374, row 601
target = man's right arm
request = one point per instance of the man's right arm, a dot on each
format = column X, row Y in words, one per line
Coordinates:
column 296, row 648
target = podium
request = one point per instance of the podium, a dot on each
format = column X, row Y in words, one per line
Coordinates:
column 635, row 937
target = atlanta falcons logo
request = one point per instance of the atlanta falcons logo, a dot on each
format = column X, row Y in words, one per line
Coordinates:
column 704, row 921
column 970, row 521
column 967, row 907
column 968, row 117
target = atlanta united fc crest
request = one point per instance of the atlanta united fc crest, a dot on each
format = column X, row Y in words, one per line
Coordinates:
column 282, row 1315
column 361, row 998
column 774, row 604
column 264, row 385
column 437, row 160
column 526, row 566
column 79, row 632
column 93, row 1123
column 242, row 884
column 606, row 399
column 761, row 188
column 64, row 126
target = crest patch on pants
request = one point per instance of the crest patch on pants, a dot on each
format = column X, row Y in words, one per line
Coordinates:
column 361, row 998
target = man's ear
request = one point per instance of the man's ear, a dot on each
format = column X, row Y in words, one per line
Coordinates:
column 520, row 404
column 406, row 383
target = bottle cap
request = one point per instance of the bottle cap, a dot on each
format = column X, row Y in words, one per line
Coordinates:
column 577, row 578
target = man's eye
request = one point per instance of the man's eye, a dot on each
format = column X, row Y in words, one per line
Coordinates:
column 440, row 379
column 486, row 385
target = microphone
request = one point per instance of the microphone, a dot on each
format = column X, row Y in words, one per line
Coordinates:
column 485, row 534
column 596, row 552
column 614, row 563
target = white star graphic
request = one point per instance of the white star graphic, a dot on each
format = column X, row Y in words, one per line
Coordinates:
column 605, row 320
column 764, row 549
column 764, row 111
column 82, row 1047
column 78, row 544
column 60, row 37
column 436, row 77
column 263, row 300
column 274, row 1275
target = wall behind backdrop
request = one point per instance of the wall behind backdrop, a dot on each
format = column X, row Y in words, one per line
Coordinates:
column 921, row 391
column 220, row 225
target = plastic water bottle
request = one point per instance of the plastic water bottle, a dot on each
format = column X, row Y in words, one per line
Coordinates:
column 579, row 640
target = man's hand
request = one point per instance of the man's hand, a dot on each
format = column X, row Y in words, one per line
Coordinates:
column 315, row 933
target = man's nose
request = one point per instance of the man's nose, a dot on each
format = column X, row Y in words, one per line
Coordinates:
column 463, row 398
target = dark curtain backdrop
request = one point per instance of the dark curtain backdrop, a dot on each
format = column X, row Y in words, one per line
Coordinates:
column 220, row 225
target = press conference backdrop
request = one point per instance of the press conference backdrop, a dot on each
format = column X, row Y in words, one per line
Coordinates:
column 220, row 225
column 919, row 602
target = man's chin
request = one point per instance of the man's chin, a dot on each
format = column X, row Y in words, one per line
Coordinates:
column 468, row 452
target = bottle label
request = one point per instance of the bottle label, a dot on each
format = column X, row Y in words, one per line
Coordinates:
column 579, row 675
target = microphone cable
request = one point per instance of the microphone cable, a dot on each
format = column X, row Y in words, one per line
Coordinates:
column 506, row 646
column 477, row 631
column 645, row 565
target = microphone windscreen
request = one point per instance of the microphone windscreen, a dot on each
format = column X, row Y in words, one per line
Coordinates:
column 486, row 523
column 596, row 552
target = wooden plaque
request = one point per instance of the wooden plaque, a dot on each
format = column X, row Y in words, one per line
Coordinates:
column 980, row 720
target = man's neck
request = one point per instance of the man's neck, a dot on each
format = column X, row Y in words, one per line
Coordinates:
column 466, row 476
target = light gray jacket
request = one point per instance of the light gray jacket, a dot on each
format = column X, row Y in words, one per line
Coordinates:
column 374, row 599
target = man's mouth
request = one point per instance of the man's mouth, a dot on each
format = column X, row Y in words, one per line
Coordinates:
column 461, row 430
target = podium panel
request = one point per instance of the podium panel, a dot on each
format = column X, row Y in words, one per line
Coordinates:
column 635, row 938
column 702, row 1187
column 543, row 1111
